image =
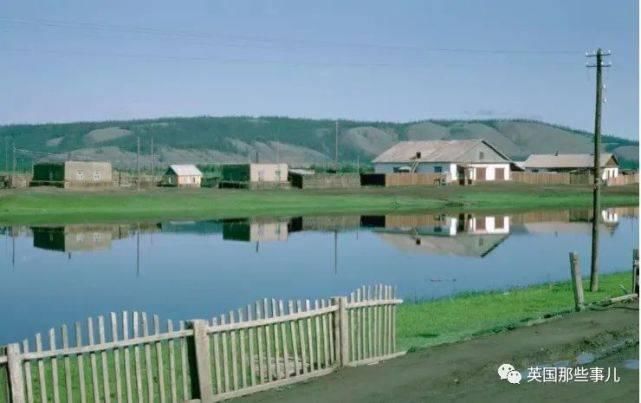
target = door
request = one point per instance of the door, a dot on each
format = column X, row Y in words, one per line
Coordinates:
column 499, row 174
column 480, row 174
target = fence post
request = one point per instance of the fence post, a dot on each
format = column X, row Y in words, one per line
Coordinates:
column 635, row 271
column 577, row 282
column 341, row 331
column 202, row 367
column 16, row 379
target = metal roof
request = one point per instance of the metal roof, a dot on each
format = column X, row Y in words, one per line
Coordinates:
column 432, row 151
column 565, row 160
column 186, row 170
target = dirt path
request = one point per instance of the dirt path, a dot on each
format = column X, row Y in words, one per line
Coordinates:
column 467, row 371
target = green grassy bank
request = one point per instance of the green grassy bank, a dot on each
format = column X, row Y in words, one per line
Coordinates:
column 47, row 205
column 451, row 319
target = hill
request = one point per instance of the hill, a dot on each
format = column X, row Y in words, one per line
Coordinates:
column 299, row 142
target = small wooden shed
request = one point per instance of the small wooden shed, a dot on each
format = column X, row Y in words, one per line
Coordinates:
column 182, row 176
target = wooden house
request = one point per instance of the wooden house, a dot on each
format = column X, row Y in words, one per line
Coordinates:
column 182, row 176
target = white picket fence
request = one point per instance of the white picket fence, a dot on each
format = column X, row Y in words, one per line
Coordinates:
column 262, row 346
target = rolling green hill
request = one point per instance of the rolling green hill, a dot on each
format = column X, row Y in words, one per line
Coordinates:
column 300, row 142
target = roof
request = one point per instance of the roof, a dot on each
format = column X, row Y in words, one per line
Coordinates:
column 301, row 171
column 458, row 245
column 185, row 170
column 566, row 160
column 432, row 151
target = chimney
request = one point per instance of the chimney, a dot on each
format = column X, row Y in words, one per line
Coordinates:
column 556, row 154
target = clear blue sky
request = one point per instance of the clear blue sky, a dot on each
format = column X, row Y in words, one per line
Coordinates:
column 75, row 60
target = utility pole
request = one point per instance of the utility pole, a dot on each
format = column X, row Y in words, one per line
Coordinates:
column 152, row 159
column 13, row 164
column 138, row 163
column 6, row 154
column 336, row 147
column 596, row 197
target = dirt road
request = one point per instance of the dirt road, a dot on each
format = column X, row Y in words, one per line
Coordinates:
column 467, row 371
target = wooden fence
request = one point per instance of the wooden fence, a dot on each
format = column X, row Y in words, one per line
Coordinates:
column 623, row 180
column 403, row 179
column 122, row 358
column 541, row 178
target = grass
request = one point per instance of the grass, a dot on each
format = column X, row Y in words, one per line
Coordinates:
column 451, row 319
column 47, row 205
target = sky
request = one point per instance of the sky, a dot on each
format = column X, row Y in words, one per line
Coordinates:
column 73, row 60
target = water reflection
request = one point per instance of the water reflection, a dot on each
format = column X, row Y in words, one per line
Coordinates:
column 461, row 235
column 464, row 234
column 188, row 269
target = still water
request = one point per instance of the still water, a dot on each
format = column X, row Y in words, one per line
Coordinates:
column 51, row 275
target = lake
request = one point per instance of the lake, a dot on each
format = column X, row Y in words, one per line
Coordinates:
column 51, row 275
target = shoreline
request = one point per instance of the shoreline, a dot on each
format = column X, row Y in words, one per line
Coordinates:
column 468, row 315
column 50, row 206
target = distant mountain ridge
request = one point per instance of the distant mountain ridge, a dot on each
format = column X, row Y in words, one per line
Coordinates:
column 299, row 142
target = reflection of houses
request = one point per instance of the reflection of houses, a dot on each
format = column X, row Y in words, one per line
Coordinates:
column 85, row 237
column 578, row 221
column 255, row 230
column 73, row 238
column 192, row 227
column 462, row 235
column 330, row 223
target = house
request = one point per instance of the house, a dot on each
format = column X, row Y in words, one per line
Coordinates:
column 456, row 159
column 69, row 174
column 182, row 176
column 572, row 163
column 255, row 173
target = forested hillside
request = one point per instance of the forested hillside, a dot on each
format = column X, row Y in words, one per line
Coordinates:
column 301, row 142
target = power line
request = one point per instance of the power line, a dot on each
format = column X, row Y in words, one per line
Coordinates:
column 247, row 61
column 251, row 41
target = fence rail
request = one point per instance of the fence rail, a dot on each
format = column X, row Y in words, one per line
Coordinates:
column 134, row 357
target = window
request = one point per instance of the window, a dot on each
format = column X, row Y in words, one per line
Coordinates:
column 80, row 175
column 418, row 154
column 481, row 155
column 96, row 176
column 438, row 169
